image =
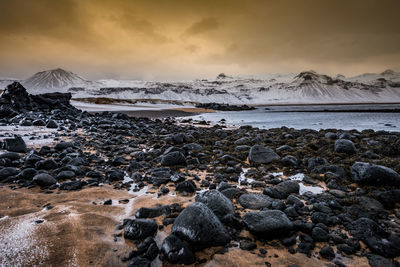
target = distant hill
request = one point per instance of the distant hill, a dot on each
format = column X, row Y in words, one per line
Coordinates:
column 54, row 80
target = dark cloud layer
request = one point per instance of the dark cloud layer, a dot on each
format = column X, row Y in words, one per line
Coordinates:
column 176, row 39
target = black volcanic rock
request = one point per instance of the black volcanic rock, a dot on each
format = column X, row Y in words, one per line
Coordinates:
column 173, row 158
column 267, row 223
column 366, row 173
column 217, row 202
column 16, row 144
column 16, row 99
column 16, row 95
column 51, row 124
column 7, row 172
column 224, row 107
column 376, row 238
column 345, row 146
column 176, row 251
column 255, row 201
column 44, row 179
column 139, row 229
column 198, row 225
column 263, row 155
column 144, row 212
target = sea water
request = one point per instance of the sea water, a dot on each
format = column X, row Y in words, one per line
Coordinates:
column 358, row 117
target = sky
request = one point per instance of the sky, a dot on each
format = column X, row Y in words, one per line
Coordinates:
column 187, row 39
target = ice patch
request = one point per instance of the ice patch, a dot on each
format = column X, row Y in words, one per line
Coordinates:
column 243, row 179
column 305, row 188
column 313, row 189
column 276, row 174
column 127, row 178
column 139, row 192
column 19, row 246
column 297, row 177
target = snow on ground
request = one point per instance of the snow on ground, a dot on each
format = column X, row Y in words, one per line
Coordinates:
column 19, row 245
column 306, row 188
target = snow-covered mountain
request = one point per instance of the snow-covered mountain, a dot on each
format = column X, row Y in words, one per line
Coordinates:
column 54, row 80
column 305, row 87
column 390, row 75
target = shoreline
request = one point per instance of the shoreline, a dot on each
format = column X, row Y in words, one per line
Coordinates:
column 153, row 114
column 162, row 113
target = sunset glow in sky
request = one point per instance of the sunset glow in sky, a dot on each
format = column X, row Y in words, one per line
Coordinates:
column 186, row 39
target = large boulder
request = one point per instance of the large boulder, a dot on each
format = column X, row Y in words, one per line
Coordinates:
column 339, row 171
column 217, row 202
column 345, row 146
column 290, row 161
column 27, row 174
column 139, row 229
column 63, row 145
column 198, row 225
column 255, row 201
column 367, row 173
column 186, row 187
column 263, row 155
column 7, row 172
column 16, row 144
column 282, row 190
column 315, row 162
column 174, row 158
column 10, row 155
column 160, row 176
column 267, row 223
column 389, row 198
column 17, row 95
column 44, row 179
column 144, row 212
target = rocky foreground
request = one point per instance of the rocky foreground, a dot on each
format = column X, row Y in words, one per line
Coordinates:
column 194, row 195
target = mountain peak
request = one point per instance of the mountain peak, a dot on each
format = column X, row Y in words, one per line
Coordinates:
column 54, row 79
column 388, row 72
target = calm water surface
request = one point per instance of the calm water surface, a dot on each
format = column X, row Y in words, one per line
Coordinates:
column 317, row 117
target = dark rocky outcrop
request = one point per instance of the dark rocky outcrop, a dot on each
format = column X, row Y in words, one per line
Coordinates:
column 263, row 155
column 372, row 174
column 15, row 99
column 267, row 223
column 139, row 229
column 198, row 225
column 16, row 144
column 255, row 201
column 217, row 202
column 44, row 179
column 224, row 107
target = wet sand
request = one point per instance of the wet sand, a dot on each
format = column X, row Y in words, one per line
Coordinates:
column 80, row 231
